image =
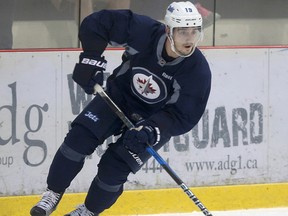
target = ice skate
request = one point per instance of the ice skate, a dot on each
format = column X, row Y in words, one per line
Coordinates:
column 81, row 211
column 47, row 204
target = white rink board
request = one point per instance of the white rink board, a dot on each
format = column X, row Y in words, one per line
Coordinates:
column 239, row 140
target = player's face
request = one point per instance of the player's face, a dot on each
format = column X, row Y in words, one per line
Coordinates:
column 185, row 39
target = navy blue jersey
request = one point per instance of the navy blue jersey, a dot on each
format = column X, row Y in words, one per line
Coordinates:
column 171, row 95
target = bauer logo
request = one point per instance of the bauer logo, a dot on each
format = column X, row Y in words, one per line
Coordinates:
column 94, row 62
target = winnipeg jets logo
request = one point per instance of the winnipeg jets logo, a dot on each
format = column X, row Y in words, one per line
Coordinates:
column 148, row 86
column 91, row 116
column 145, row 86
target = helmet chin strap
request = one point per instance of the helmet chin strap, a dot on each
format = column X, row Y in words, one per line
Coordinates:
column 170, row 37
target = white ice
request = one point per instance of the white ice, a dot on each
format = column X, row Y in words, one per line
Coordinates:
column 250, row 212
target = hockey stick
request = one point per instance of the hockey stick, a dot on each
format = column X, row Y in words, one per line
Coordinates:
column 98, row 89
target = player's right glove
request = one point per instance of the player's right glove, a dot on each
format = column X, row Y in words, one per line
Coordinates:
column 136, row 139
column 89, row 71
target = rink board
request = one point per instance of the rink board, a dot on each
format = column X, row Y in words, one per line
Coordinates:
column 241, row 139
column 135, row 202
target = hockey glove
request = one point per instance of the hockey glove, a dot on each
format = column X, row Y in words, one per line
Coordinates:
column 136, row 139
column 89, row 71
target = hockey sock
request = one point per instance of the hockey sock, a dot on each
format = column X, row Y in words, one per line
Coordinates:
column 62, row 172
column 99, row 198
column 107, row 186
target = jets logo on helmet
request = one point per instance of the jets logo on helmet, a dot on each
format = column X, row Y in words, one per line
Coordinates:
column 170, row 8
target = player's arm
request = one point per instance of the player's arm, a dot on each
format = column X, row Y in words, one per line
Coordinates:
column 173, row 119
column 103, row 27
column 95, row 32
column 177, row 119
column 180, row 117
column 116, row 27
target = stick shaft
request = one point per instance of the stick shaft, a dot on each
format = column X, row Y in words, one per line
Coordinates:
column 98, row 89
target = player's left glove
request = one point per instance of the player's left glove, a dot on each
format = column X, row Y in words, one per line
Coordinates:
column 136, row 139
column 89, row 71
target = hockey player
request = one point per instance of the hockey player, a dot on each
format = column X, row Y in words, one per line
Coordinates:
column 162, row 85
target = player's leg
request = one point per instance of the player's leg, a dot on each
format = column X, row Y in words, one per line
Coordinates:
column 67, row 163
column 106, row 187
column 113, row 170
column 94, row 124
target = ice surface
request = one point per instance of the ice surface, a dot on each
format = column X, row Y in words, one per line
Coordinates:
column 250, row 212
